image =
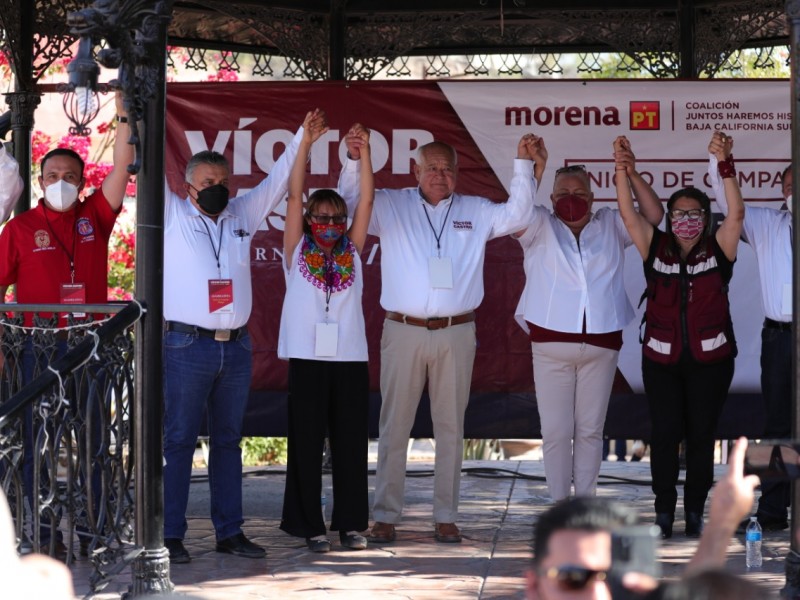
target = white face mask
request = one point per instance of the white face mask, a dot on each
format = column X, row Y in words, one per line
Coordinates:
column 789, row 202
column 61, row 195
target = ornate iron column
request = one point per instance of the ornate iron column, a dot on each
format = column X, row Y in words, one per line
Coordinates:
column 136, row 33
column 792, row 588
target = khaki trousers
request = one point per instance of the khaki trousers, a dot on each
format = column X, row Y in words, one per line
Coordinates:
column 573, row 385
column 410, row 356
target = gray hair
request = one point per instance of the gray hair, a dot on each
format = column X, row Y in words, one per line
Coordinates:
column 206, row 157
column 419, row 155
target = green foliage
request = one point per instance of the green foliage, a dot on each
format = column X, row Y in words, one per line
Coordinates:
column 258, row 451
column 481, row 449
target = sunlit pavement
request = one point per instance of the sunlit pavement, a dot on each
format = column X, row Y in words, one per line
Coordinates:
column 500, row 501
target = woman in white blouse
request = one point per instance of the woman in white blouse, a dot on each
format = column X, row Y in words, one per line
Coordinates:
column 322, row 336
column 574, row 308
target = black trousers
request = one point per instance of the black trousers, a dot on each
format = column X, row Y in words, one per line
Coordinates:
column 776, row 388
column 333, row 398
column 685, row 403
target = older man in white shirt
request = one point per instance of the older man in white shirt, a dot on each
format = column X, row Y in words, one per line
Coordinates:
column 433, row 242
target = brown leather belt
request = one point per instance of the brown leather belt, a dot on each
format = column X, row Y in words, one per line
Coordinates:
column 431, row 323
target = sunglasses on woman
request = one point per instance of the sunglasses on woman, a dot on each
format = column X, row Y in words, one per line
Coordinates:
column 571, row 578
column 328, row 219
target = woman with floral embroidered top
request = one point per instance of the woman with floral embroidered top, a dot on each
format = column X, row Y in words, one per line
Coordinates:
column 322, row 335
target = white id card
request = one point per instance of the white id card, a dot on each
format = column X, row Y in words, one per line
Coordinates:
column 440, row 272
column 786, row 300
column 327, row 339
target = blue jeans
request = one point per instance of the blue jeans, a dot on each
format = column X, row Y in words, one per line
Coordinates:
column 203, row 375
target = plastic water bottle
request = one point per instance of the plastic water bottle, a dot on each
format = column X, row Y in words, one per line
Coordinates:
column 324, row 504
column 752, row 544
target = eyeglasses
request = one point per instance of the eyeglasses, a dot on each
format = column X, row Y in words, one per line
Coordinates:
column 694, row 213
column 571, row 169
column 328, row 219
column 573, row 577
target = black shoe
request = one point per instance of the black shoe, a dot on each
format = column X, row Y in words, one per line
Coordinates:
column 694, row 524
column 239, row 545
column 321, row 545
column 178, row 555
column 767, row 524
column 664, row 521
column 352, row 541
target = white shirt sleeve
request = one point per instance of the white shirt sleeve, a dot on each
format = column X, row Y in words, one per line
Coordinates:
column 514, row 214
column 349, row 183
column 11, row 184
column 256, row 204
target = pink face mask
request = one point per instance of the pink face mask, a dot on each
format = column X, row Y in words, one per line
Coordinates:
column 687, row 227
column 571, row 208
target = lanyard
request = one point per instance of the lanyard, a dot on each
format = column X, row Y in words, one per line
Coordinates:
column 441, row 229
column 328, row 282
column 70, row 255
column 217, row 250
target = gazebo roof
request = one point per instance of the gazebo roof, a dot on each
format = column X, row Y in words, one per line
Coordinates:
column 355, row 38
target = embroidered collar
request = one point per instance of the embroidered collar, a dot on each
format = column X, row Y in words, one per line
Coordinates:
column 335, row 273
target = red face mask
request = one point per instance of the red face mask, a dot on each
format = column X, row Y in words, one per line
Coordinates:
column 326, row 236
column 571, row 208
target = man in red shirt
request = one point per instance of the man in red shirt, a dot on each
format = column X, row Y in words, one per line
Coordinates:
column 57, row 253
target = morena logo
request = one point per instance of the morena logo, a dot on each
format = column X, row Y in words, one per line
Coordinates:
column 562, row 115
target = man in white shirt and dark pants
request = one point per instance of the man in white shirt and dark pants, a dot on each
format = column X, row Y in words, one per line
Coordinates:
column 433, row 242
column 769, row 233
column 207, row 354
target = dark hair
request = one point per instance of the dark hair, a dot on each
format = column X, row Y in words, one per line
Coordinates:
column 206, row 157
column 321, row 197
column 61, row 152
column 582, row 514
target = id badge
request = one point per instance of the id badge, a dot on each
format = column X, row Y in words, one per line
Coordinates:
column 440, row 272
column 220, row 296
column 327, row 339
column 786, row 299
column 73, row 293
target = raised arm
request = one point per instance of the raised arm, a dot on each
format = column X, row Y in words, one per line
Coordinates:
column 313, row 128
column 11, row 184
column 639, row 228
column 730, row 230
column 532, row 147
column 716, row 153
column 731, row 501
column 358, row 230
column 350, row 177
column 649, row 203
column 117, row 179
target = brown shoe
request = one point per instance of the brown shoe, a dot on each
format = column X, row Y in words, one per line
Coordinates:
column 447, row 533
column 382, row 533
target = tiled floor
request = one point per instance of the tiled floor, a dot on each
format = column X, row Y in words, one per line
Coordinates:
column 500, row 500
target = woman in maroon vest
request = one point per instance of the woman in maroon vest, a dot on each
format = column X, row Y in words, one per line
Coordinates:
column 688, row 347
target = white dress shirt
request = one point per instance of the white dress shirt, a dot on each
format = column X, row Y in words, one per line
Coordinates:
column 408, row 240
column 11, row 184
column 192, row 241
column 566, row 281
column 769, row 233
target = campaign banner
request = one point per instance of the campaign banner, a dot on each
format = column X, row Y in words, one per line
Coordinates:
column 669, row 124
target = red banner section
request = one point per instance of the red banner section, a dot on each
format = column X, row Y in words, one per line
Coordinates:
column 251, row 123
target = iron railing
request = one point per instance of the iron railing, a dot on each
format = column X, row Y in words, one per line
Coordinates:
column 69, row 383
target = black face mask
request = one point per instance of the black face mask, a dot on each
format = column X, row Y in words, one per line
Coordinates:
column 213, row 199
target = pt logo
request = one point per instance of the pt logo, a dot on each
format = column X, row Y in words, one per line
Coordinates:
column 646, row 115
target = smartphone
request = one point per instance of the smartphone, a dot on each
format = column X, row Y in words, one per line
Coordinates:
column 634, row 549
column 773, row 460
